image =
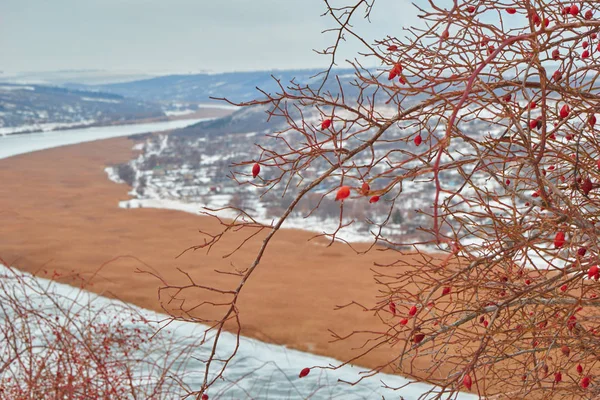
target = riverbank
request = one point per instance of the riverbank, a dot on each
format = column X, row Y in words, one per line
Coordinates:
column 201, row 113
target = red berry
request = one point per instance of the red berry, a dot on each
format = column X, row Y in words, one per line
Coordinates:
column 304, row 372
column 404, row 321
column 445, row 34
column 585, row 54
column 325, row 124
column 528, row 281
column 565, row 350
column 563, row 288
column 555, row 54
column 587, row 186
column 593, row 272
column 374, row 199
column 574, row 10
column 535, row 123
column 585, row 382
column 446, row 290
column 365, row 189
column 395, row 71
column 471, row 9
column 412, row 311
column 508, row 181
column 255, row 170
column 543, row 324
column 468, row 382
column 579, row 369
column 392, row 47
column 557, row 377
column 418, row 338
column 564, row 111
column 557, row 76
column 511, row 11
column 204, row 396
column 571, row 322
column 581, row 251
column 532, row 105
column 342, row 193
column 559, row 240
column 592, row 120
column 418, row 140
column 392, row 306
column 588, row 14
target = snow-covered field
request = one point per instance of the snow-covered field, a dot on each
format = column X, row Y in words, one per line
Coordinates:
column 259, row 370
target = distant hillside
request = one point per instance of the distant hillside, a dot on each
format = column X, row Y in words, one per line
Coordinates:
column 198, row 88
column 80, row 76
column 245, row 120
column 31, row 107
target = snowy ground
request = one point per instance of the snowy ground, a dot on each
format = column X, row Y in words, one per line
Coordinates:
column 318, row 226
column 260, row 370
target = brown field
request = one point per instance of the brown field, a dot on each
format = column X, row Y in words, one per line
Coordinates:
column 60, row 213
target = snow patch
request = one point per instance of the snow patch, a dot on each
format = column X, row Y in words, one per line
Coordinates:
column 13, row 88
column 174, row 113
column 101, row 100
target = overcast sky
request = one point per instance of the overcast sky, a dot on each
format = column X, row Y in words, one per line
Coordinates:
column 167, row 36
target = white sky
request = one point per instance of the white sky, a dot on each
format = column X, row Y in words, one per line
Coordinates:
column 178, row 36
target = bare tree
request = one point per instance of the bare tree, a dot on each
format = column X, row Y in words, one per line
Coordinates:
column 64, row 345
column 485, row 116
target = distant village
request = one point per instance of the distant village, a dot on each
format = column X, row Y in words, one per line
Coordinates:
column 199, row 169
